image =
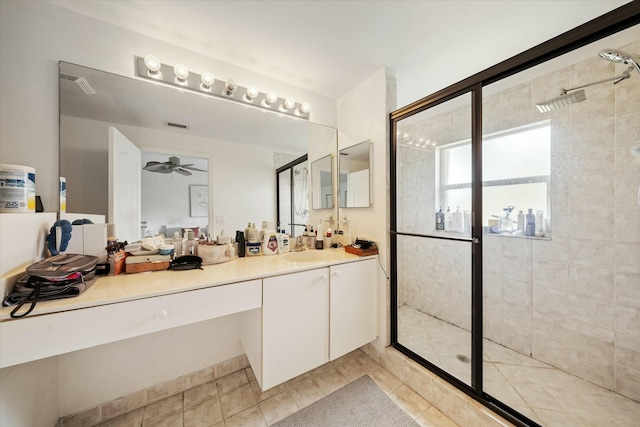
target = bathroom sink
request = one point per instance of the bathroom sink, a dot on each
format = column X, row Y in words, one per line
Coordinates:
column 309, row 256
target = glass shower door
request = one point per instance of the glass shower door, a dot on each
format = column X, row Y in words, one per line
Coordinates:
column 433, row 235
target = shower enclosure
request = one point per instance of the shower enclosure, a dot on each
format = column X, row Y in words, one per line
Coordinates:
column 516, row 233
column 293, row 196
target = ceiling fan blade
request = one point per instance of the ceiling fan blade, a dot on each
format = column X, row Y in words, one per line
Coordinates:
column 193, row 169
column 156, row 166
column 184, row 166
column 182, row 171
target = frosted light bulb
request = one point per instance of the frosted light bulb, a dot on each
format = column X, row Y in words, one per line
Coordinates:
column 288, row 104
column 252, row 92
column 154, row 65
column 181, row 73
column 270, row 99
column 304, row 108
column 207, row 80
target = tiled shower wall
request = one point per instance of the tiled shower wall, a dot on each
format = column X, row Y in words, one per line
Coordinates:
column 572, row 301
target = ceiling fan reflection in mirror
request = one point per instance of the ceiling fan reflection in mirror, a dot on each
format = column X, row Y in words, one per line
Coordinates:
column 173, row 165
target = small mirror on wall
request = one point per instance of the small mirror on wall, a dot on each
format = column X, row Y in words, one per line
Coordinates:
column 322, row 183
column 355, row 176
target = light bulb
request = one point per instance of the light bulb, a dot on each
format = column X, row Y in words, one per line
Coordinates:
column 207, row 80
column 252, row 92
column 270, row 99
column 288, row 104
column 304, row 108
column 230, row 86
column 181, row 73
column 154, row 65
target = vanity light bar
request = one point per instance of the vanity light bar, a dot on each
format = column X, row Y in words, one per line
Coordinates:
column 225, row 90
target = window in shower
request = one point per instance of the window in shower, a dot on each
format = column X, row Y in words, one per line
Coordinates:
column 516, row 167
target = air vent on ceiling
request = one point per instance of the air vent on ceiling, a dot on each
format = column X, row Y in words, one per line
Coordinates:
column 177, row 125
column 80, row 81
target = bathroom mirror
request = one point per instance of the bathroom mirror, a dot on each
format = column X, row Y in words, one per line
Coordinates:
column 238, row 145
column 322, row 183
column 355, row 176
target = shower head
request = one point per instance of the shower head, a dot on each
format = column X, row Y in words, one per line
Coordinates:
column 620, row 57
column 563, row 100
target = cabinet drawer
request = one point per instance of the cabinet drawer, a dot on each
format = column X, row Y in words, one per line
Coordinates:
column 38, row 337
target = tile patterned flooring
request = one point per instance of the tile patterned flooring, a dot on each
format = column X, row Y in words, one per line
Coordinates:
column 236, row 399
column 543, row 393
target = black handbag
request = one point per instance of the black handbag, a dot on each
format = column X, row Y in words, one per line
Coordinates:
column 61, row 276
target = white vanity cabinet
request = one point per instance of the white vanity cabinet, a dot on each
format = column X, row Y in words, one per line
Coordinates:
column 311, row 318
column 295, row 325
column 353, row 303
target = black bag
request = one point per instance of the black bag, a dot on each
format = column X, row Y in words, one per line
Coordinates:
column 61, row 276
column 186, row 262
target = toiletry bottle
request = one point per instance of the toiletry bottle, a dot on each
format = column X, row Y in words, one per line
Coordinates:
column 521, row 222
column 440, row 219
column 539, row 224
column 319, row 244
column 467, row 222
column 270, row 242
column 312, row 239
column 329, row 238
column 285, row 242
column 530, row 224
column 242, row 248
column 254, row 234
column 246, row 232
column 456, row 221
column 447, row 220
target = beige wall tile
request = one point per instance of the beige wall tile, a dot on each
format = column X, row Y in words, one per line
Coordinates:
column 451, row 402
column 385, row 380
column 83, row 419
column 199, row 377
column 229, row 366
column 133, row 418
column 164, row 390
column 409, row 401
column 627, row 226
column 419, row 380
column 232, row 381
column 163, row 409
column 121, row 406
column 196, row 395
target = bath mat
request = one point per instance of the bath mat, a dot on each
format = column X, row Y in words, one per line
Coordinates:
column 360, row 403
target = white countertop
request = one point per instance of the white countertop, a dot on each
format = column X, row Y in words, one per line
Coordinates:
column 127, row 287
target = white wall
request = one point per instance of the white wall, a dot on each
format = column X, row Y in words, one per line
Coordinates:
column 363, row 114
column 34, row 36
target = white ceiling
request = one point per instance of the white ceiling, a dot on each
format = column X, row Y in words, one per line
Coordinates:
column 328, row 47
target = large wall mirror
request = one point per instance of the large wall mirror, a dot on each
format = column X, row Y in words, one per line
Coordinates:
column 187, row 146
column 355, row 176
column 322, row 178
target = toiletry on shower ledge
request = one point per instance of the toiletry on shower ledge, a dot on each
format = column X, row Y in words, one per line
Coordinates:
column 440, row 219
column 530, row 224
column 521, row 222
column 457, row 224
column 447, row 220
column 539, row 224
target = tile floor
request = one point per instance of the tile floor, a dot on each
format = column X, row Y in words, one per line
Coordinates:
column 236, row 400
column 543, row 393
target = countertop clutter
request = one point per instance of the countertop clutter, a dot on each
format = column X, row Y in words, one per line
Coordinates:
column 129, row 287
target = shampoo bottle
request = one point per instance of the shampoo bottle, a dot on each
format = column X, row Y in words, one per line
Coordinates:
column 539, row 224
column 447, row 220
column 530, row 224
column 521, row 222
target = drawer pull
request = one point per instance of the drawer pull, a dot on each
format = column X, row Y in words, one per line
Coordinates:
column 162, row 314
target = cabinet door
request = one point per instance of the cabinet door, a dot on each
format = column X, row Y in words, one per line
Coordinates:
column 295, row 325
column 353, row 300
